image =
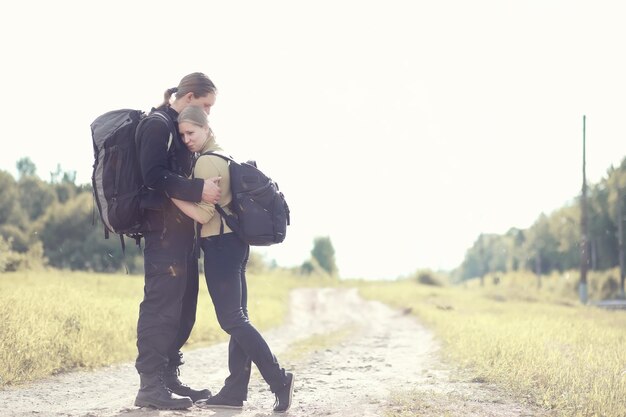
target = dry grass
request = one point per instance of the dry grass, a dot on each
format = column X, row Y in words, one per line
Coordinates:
column 537, row 344
column 57, row 321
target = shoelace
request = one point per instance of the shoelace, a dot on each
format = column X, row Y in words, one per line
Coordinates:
column 178, row 381
column 162, row 379
column 176, row 373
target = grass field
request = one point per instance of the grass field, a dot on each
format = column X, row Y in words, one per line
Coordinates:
column 57, row 321
column 540, row 345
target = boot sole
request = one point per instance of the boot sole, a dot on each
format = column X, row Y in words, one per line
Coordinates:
column 161, row 406
column 195, row 398
column 228, row 407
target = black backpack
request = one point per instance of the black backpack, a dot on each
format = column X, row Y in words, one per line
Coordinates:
column 116, row 179
column 261, row 211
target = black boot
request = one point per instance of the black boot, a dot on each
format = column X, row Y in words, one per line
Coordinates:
column 154, row 393
column 285, row 395
column 174, row 384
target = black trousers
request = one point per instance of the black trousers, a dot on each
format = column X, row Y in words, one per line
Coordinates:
column 168, row 310
column 225, row 258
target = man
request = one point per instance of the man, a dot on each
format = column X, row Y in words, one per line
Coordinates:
column 168, row 311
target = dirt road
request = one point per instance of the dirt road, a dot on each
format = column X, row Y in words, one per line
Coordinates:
column 351, row 358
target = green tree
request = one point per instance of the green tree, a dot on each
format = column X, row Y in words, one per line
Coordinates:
column 64, row 191
column 472, row 265
column 26, row 167
column 552, row 242
column 65, row 187
column 616, row 183
column 564, row 226
column 541, row 246
column 311, row 267
column 488, row 253
column 602, row 228
column 11, row 260
column 9, row 203
column 307, row 268
column 514, row 243
column 71, row 241
column 19, row 238
column 324, row 253
column 35, row 196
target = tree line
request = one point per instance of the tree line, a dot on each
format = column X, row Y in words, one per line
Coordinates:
column 552, row 242
column 56, row 223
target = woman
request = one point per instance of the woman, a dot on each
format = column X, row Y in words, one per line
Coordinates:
column 225, row 258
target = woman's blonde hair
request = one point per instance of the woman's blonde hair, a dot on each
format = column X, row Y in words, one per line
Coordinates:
column 195, row 115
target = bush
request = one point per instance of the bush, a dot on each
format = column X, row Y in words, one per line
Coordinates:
column 19, row 238
column 312, row 268
column 11, row 260
column 5, row 251
column 72, row 241
column 426, row 277
column 609, row 288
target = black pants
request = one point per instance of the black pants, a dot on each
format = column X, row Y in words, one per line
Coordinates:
column 225, row 259
column 168, row 310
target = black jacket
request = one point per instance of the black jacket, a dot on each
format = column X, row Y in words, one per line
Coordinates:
column 166, row 173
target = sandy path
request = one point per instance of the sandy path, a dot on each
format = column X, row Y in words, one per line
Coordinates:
column 377, row 353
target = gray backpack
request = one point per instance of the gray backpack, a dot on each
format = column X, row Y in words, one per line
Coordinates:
column 117, row 182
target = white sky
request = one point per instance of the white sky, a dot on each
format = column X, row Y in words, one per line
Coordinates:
column 401, row 129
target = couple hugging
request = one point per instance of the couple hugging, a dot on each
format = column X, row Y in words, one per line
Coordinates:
column 180, row 217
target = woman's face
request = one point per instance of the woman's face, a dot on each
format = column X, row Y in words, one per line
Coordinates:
column 193, row 136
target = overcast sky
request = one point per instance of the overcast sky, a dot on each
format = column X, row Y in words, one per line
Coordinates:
column 401, row 129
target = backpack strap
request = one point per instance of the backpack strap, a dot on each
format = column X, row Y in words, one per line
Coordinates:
column 230, row 219
column 160, row 114
column 221, row 155
column 171, row 154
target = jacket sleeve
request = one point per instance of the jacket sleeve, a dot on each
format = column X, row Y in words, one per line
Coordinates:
column 206, row 168
column 153, row 139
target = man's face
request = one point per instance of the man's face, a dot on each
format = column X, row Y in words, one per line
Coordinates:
column 205, row 102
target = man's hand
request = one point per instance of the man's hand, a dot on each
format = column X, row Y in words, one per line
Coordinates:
column 211, row 191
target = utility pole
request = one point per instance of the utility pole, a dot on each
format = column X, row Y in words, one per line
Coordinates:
column 584, row 252
column 620, row 240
